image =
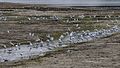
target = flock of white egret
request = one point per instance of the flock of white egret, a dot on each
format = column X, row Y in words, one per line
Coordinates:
column 21, row 52
column 55, row 17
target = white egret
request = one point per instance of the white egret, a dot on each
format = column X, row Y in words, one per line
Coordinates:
column 77, row 25
column 29, row 18
column 94, row 16
column 48, row 36
column 105, row 16
column 8, row 31
column 60, row 42
column 32, row 34
column 82, row 16
column 38, row 39
column 51, row 38
column 4, row 45
column 97, row 20
column 109, row 16
column 108, row 25
column 12, row 43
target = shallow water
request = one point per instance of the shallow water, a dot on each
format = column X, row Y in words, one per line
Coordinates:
column 70, row 2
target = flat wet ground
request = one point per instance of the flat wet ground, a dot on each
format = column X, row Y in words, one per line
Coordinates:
column 101, row 53
column 17, row 25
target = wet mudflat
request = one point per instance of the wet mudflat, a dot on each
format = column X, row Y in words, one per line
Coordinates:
column 99, row 53
column 24, row 26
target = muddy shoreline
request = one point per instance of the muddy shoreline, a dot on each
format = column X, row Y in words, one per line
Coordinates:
column 19, row 21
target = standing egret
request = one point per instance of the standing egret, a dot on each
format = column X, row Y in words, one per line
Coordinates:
column 8, row 31
column 94, row 16
column 71, row 36
column 109, row 16
column 48, row 36
column 51, row 38
column 77, row 25
column 32, row 34
column 20, row 22
column 29, row 18
column 97, row 20
column 66, row 33
column 38, row 39
column 4, row 46
column 67, row 20
column 62, row 36
column 77, row 19
column 16, row 16
column 60, row 42
column 12, row 43
column 105, row 17
column 30, row 43
column 108, row 25
column 82, row 16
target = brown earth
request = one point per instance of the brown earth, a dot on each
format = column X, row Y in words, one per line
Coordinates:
column 4, row 5
column 102, row 53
